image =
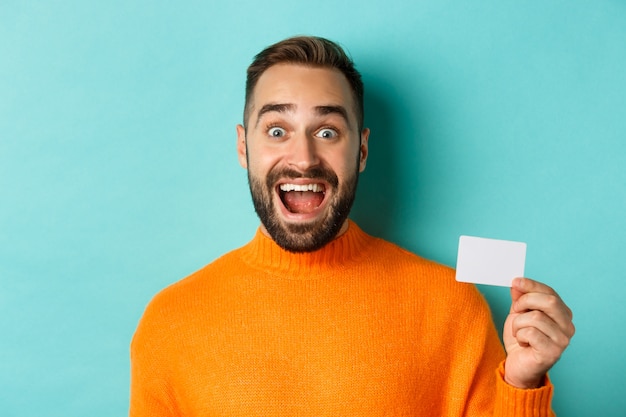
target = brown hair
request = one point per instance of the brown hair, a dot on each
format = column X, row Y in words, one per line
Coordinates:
column 307, row 50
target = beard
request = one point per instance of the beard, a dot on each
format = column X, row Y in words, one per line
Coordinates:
column 309, row 236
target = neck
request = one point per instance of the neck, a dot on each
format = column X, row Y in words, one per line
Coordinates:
column 346, row 247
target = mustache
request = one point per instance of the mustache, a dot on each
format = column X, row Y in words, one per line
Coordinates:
column 315, row 173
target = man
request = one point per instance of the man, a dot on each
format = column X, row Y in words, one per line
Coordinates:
column 314, row 317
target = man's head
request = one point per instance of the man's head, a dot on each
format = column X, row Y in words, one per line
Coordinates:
column 303, row 143
column 309, row 51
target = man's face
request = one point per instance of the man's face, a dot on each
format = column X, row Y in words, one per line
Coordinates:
column 303, row 152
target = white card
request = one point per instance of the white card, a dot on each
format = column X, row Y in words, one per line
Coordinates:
column 490, row 261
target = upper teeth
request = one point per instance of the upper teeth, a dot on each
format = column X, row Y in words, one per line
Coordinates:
column 316, row 188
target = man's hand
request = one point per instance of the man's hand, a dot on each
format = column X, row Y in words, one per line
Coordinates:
column 536, row 332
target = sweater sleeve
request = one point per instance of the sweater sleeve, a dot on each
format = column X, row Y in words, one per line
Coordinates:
column 515, row 402
column 151, row 394
column 489, row 394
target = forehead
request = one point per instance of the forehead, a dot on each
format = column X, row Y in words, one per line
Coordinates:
column 304, row 86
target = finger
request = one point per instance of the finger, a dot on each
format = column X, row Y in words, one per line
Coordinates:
column 541, row 322
column 549, row 304
column 545, row 351
column 515, row 295
column 521, row 286
column 526, row 285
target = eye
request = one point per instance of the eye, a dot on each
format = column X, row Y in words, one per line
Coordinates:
column 327, row 133
column 276, row 132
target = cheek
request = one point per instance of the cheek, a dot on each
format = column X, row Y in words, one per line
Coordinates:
column 346, row 163
column 260, row 162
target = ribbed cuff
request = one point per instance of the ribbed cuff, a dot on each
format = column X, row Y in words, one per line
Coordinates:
column 516, row 402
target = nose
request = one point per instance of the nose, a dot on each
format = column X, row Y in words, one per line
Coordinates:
column 303, row 153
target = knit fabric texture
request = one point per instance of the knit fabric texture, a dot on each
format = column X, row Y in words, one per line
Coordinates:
column 360, row 328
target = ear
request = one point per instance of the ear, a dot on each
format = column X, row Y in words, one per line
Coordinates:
column 365, row 135
column 241, row 146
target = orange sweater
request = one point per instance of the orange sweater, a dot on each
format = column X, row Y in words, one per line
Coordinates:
column 358, row 328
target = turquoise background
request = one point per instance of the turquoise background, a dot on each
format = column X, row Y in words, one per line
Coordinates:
column 118, row 170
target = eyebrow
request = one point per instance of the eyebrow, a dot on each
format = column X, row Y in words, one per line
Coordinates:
column 278, row 108
column 339, row 110
column 289, row 107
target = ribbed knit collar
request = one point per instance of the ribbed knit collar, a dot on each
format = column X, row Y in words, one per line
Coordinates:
column 263, row 253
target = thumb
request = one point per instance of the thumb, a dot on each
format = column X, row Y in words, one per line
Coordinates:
column 516, row 293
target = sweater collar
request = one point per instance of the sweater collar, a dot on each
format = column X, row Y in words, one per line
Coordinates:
column 263, row 253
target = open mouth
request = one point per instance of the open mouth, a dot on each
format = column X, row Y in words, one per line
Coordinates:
column 302, row 198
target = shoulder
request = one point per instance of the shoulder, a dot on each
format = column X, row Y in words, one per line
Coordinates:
column 183, row 292
column 426, row 278
column 395, row 257
column 179, row 301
